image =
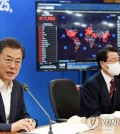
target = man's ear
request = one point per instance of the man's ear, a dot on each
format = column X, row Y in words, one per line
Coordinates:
column 104, row 65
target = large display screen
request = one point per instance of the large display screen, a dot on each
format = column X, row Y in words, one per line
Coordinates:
column 70, row 34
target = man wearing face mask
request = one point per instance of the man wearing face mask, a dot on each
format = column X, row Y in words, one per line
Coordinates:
column 101, row 92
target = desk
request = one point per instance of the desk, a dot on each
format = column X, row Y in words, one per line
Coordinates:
column 45, row 129
column 61, row 130
column 99, row 130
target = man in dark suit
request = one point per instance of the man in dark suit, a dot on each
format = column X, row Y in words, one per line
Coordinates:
column 13, row 114
column 98, row 95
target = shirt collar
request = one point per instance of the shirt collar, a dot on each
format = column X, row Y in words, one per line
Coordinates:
column 106, row 77
column 2, row 85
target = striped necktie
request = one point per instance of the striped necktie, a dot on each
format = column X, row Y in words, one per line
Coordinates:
column 112, row 87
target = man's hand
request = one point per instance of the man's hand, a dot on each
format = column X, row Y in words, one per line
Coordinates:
column 26, row 124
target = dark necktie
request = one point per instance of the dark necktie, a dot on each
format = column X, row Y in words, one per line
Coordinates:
column 111, row 88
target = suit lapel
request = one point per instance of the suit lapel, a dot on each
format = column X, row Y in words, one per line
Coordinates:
column 115, row 95
column 104, row 88
column 13, row 106
column 2, row 109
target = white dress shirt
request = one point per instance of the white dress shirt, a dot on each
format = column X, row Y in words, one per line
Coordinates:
column 6, row 96
column 107, row 80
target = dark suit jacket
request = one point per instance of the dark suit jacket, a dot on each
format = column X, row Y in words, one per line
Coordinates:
column 18, row 109
column 95, row 98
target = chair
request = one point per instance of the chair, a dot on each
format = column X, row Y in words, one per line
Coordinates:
column 65, row 99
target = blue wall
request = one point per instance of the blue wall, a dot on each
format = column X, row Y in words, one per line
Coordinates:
column 17, row 20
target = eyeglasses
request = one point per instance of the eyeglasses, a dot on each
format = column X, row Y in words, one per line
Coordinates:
column 113, row 61
column 10, row 61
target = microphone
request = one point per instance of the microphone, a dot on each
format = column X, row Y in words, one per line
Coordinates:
column 25, row 88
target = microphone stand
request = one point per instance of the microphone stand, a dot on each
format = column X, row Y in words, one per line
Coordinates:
column 50, row 122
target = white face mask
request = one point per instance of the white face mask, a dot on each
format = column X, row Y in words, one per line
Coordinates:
column 114, row 69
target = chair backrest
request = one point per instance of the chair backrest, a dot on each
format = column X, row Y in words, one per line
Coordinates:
column 65, row 99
